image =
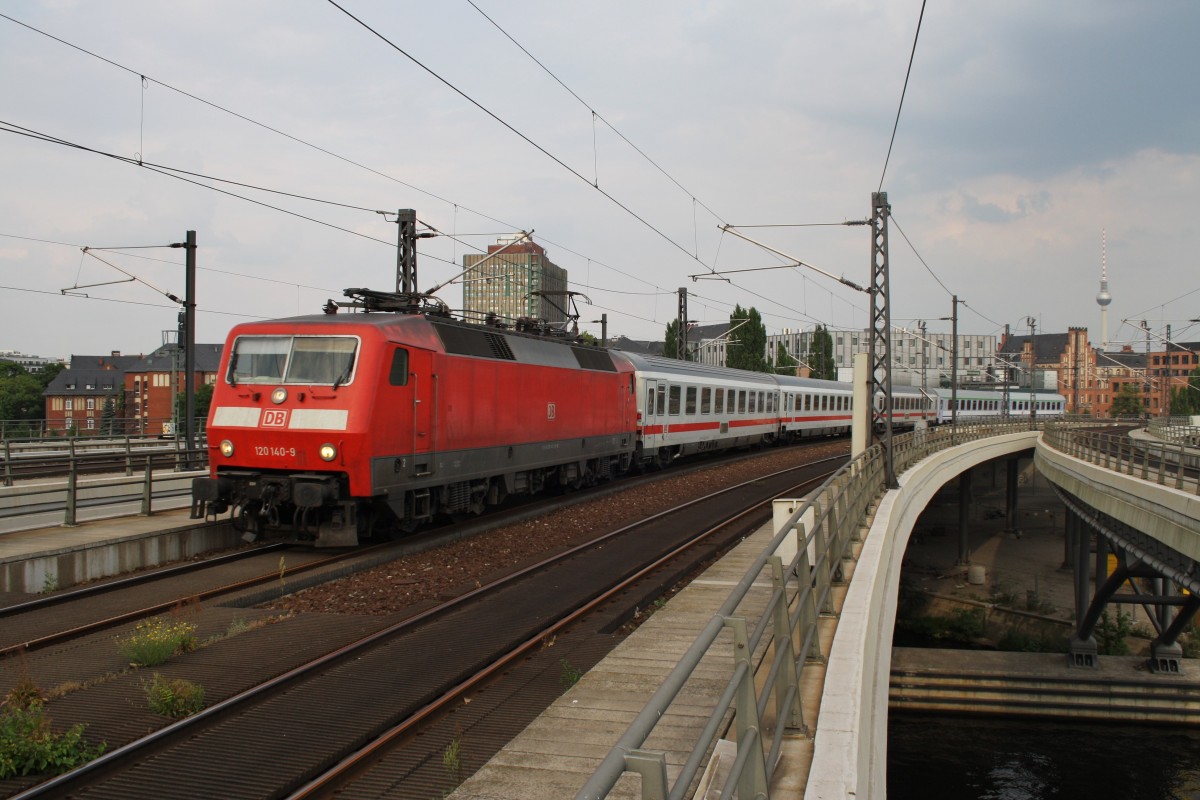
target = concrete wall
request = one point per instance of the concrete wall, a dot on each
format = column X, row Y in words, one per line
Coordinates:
column 1172, row 516
column 850, row 748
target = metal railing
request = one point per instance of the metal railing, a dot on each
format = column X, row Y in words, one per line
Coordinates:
column 46, row 458
column 102, row 427
column 1175, row 429
column 825, row 527
column 33, row 503
column 1166, row 463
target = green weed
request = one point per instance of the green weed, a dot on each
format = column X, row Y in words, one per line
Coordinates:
column 28, row 743
column 174, row 697
column 155, row 640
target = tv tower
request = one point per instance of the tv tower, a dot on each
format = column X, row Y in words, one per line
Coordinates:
column 1103, row 298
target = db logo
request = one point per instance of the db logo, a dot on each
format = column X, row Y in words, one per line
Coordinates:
column 274, row 418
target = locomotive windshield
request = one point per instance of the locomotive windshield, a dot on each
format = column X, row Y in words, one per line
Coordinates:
column 293, row 359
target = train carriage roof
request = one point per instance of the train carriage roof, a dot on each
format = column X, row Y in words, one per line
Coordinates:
column 792, row 382
column 694, row 370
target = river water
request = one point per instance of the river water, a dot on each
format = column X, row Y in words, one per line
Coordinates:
column 966, row 758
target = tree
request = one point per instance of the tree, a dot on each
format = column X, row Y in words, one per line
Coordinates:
column 1128, row 402
column 1185, row 400
column 203, row 399
column 49, row 373
column 783, row 361
column 20, row 393
column 747, row 347
column 671, row 340
column 820, row 355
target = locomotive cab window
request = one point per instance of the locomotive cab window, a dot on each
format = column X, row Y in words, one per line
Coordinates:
column 398, row 374
column 313, row 360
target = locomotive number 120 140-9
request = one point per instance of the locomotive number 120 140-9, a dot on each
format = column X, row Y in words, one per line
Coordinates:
column 260, row 450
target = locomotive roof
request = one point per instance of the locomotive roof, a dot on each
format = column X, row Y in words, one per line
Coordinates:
column 469, row 339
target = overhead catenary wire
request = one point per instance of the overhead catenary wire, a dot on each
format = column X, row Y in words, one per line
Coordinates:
column 608, row 195
column 595, row 114
column 129, row 302
column 457, row 206
column 179, row 174
column 168, row 261
column 896, row 126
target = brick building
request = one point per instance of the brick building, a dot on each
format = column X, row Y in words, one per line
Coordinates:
column 1169, row 370
column 124, row 394
column 88, row 392
column 1088, row 377
column 152, row 383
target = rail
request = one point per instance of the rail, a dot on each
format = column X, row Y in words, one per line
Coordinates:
column 826, row 527
column 1151, row 460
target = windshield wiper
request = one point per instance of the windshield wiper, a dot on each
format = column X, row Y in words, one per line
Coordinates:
column 345, row 376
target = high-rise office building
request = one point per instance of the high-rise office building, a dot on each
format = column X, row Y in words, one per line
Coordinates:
column 503, row 282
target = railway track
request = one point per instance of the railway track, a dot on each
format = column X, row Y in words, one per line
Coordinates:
column 59, row 618
column 274, row 736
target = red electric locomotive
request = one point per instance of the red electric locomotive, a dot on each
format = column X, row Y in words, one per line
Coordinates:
column 330, row 426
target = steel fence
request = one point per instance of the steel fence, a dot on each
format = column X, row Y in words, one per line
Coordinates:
column 784, row 636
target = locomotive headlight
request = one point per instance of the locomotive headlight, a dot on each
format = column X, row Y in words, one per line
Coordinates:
column 327, row 452
column 226, row 448
column 279, row 395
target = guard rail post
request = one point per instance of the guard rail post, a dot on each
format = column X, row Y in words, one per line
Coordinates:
column 1180, row 465
column 752, row 775
column 8, row 478
column 653, row 769
column 148, row 488
column 807, row 598
column 72, row 477
column 128, row 457
column 787, row 691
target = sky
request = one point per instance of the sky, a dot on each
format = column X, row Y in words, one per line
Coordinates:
column 1035, row 140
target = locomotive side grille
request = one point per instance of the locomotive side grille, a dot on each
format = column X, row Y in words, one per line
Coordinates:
column 499, row 346
column 479, row 343
column 594, row 358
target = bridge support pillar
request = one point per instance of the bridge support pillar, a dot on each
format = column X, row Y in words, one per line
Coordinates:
column 1166, row 658
column 1083, row 653
column 964, row 509
column 1010, row 497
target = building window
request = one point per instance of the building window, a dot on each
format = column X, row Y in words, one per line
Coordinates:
column 91, row 404
column 70, row 405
